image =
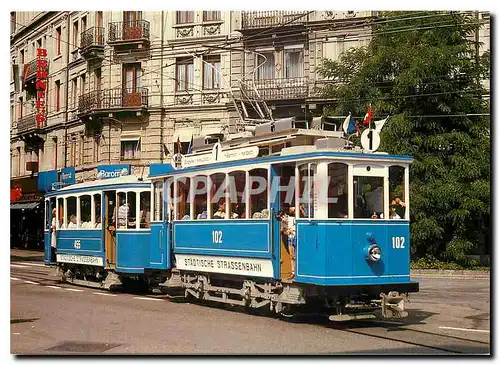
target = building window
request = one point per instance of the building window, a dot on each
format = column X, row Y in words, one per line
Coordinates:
column 130, row 149
column 11, row 115
column 211, row 69
column 184, row 17
column 266, row 66
column 72, row 152
column 131, row 17
column 209, row 16
column 58, row 41
column 74, row 90
column 58, row 95
column 21, row 57
column 82, row 84
column 75, row 35
column 98, row 21
column 84, row 24
column 20, row 108
column 294, row 63
column 80, row 151
column 97, row 80
column 131, row 77
column 12, row 21
column 184, row 74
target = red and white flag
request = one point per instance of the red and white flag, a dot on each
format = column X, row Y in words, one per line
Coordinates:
column 368, row 116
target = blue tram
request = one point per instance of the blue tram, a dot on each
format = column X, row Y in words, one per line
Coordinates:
column 283, row 222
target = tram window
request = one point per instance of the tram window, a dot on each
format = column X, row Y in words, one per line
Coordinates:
column 337, row 190
column 158, row 200
column 52, row 213
column 182, row 204
column 236, row 189
column 85, row 212
column 200, row 187
column 145, row 210
column 368, row 197
column 60, row 208
column 48, row 214
column 71, row 212
column 307, row 201
column 218, row 195
column 132, row 214
column 170, row 205
column 258, row 193
column 97, row 211
column 121, row 211
column 397, row 198
column 287, row 186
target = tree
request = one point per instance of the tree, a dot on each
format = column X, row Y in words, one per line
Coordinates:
column 423, row 70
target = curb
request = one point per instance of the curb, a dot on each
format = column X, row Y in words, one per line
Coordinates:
column 451, row 273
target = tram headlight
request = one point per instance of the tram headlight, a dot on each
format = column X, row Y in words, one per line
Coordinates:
column 374, row 253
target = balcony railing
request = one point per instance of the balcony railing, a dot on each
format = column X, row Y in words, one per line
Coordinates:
column 137, row 30
column 266, row 19
column 279, row 89
column 92, row 37
column 113, row 99
column 26, row 123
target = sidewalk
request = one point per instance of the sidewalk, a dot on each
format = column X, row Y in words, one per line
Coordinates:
column 26, row 255
column 450, row 273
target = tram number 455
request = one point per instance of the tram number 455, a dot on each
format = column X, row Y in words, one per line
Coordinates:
column 398, row 242
column 217, row 236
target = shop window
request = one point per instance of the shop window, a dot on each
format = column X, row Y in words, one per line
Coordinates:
column 257, row 192
column 307, row 198
column 337, row 190
column 397, row 198
column 145, row 209
column 85, row 212
column 97, row 211
column 71, row 212
column 158, row 201
column 236, row 193
column 368, row 197
column 200, row 189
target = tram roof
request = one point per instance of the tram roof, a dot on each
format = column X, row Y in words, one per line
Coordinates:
column 101, row 184
column 165, row 169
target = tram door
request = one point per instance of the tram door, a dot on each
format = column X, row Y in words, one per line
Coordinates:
column 110, row 209
column 286, row 199
column 50, row 204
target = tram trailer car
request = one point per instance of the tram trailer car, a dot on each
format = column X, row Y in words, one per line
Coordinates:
column 348, row 260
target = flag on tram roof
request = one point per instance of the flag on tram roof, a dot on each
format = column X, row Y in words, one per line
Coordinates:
column 345, row 125
column 368, row 116
column 179, row 146
column 190, row 147
column 380, row 123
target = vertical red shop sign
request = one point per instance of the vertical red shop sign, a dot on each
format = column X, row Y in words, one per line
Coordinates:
column 41, row 87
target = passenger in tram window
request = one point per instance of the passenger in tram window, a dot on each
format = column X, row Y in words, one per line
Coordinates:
column 98, row 222
column 302, row 211
column 221, row 211
column 123, row 215
column 202, row 215
column 53, row 238
column 374, row 199
column 145, row 221
column 397, row 209
column 186, row 217
column 72, row 221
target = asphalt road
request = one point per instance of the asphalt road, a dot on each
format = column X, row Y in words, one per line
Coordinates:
column 448, row 316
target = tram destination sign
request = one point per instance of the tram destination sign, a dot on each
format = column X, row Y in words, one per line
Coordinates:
column 80, row 259
column 217, row 155
column 225, row 265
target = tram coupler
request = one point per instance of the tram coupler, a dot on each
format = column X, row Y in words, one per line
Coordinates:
column 393, row 305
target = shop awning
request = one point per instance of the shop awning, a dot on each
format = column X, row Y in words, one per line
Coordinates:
column 28, row 205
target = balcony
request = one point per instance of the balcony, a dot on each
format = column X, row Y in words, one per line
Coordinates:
column 26, row 124
column 112, row 101
column 130, row 40
column 278, row 89
column 28, row 131
column 29, row 71
column 267, row 19
column 92, row 43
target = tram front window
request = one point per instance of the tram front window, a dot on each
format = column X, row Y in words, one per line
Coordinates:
column 60, row 208
column 337, row 190
column 217, row 196
column 200, row 186
column 145, row 214
column 158, row 201
column 258, row 194
column 236, row 188
column 307, row 201
column 182, row 206
column 368, row 197
column 397, row 198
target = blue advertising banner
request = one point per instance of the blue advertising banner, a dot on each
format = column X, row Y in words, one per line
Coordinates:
column 112, row 171
column 46, row 180
column 68, row 176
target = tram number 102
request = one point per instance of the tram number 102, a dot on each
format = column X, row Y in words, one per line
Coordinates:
column 217, row 236
column 398, row 242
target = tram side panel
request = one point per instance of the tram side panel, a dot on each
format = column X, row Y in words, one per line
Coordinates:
column 80, row 247
column 132, row 251
column 225, row 246
column 159, row 246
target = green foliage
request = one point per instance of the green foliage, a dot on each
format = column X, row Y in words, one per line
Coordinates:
column 432, row 263
column 414, row 69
